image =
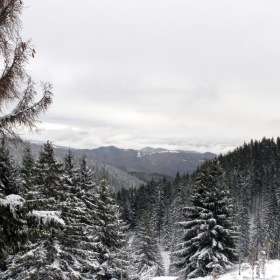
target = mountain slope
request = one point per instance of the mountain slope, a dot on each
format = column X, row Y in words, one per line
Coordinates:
column 116, row 177
column 148, row 160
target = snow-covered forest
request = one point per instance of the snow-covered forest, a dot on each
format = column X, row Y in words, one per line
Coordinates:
column 59, row 221
column 65, row 217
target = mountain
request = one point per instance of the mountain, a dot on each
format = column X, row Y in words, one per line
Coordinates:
column 116, row 178
column 148, row 160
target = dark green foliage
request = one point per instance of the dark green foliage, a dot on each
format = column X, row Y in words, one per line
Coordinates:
column 85, row 180
column 146, row 259
column 28, row 174
column 71, row 172
column 253, row 176
column 207, row 239
column 49, row 176
column 110, row 231
column 9, row 179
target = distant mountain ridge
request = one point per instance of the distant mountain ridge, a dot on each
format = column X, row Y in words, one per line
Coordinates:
column 148, row 160
column 116, row 178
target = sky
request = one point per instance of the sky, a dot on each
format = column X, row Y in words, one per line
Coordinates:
column 181, row 74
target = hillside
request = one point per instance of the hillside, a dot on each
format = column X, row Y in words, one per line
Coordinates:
column 148, row 160
column 116, row 177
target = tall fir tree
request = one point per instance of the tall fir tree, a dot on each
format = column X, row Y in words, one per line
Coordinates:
column 28, row 174
column 13, row 225
column 85, row 181
column 110, row 232
column 50, row 174
column 146, row 261
column 71, row 172
column 207, row 240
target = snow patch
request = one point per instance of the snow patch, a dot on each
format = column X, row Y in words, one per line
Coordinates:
column 272, row 272
column 13, row 201
column 47, row 216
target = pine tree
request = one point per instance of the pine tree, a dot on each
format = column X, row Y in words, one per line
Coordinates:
column 147, row 260
column 258, row 235
column 67, row 248
column 207, row 240
column 110, row 231
column 159, row 211
column 271, row 219
column 71, row 172
column 85, row 181
column 168, row 218
column 9, row 177
column 243, row 218
column 28, row 174
column 50, row 172
column 13, row 229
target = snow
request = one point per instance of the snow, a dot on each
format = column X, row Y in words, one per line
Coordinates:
column 165, row 278
column 272, row 272
column 47, row 216
column 165, row 258
column 13, row 200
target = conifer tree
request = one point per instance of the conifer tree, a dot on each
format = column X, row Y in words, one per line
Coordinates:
column 207, row 240
column 146, row 260
column 243, row 218
column 71, row 172
column 16, row 86
column 9, row 177
column 258, row 234
column 168, row 218
column 50, row 172
column 110, row 232
column 13, row 229
column 28, row 174
column 159, row 211
column 85, row 181
column 272, row 219
column 68, row 249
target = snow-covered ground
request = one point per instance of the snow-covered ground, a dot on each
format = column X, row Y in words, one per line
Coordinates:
column 272, row 272
column 165, row 258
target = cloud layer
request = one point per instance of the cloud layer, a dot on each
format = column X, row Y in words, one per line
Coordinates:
column 198, row 75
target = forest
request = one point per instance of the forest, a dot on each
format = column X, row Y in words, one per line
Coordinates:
column 62, row 218
column 60, row 222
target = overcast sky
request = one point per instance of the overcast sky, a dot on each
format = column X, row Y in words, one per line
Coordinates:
column 191, row 75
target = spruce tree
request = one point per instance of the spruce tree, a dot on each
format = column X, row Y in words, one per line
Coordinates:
column 9, row 177
column 28, row 174
column 46, row 218
column 13, row 225
column 85, row 180
column 146, row 260
column 110, row 232
column 71, row 172
column 207, row 240
column 50, row 174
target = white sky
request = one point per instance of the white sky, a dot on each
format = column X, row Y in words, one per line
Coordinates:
column 181, row 74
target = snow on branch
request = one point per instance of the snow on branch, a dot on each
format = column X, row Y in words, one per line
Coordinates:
column 47, row 216
column 13, row 200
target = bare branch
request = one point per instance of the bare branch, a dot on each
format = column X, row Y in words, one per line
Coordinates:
column 14, row 55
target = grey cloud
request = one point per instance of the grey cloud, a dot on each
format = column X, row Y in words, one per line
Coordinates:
column 192, row 73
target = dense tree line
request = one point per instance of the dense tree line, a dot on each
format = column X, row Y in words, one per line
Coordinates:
column 57, row 222
column 253, row 176
column 244, row 184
